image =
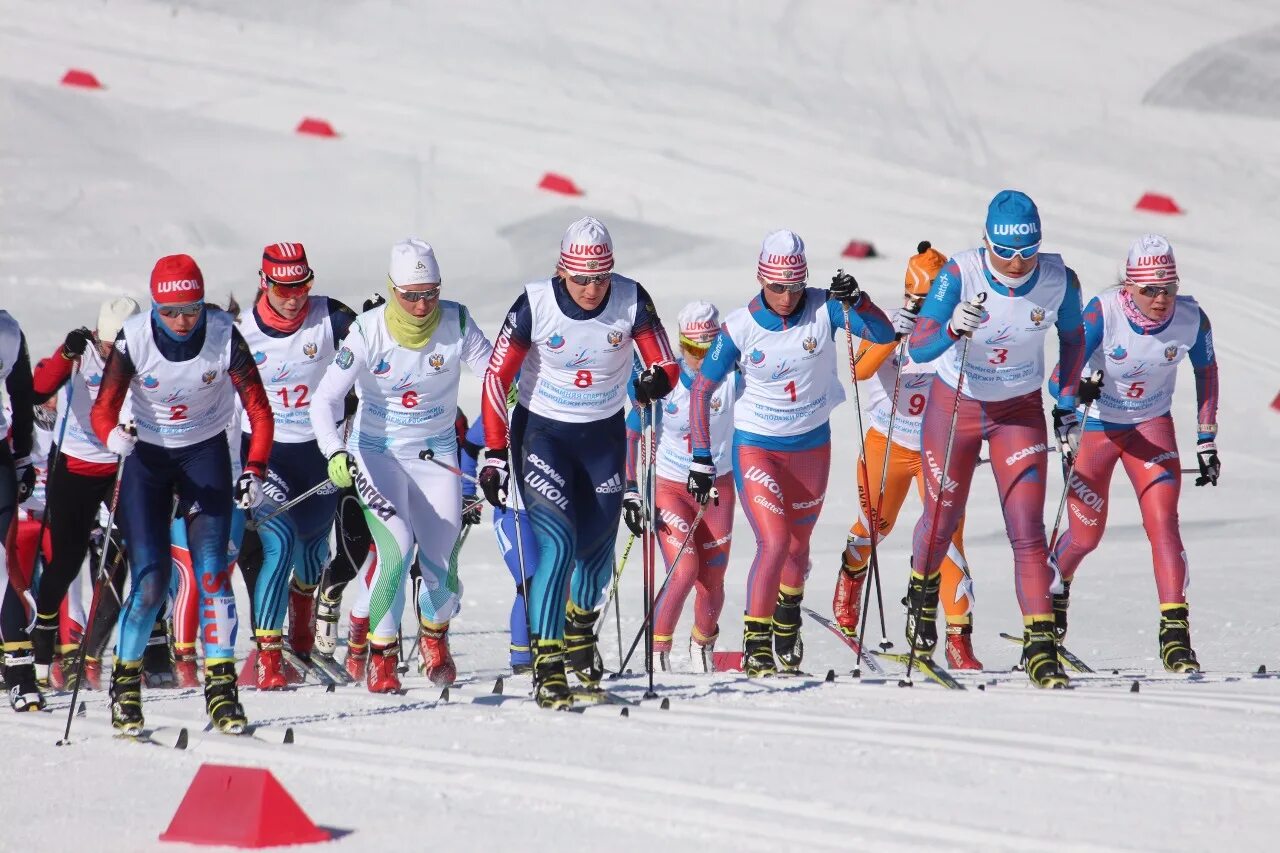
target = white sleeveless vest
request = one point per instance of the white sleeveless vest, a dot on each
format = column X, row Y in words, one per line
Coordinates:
column 1139, row 371
column 291, row 368
column 674, row 454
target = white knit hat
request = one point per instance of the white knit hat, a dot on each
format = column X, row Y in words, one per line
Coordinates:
column 586, row 248
column 112, row 314
column 413, row 261
column 1151, row 261
column 699, row 322
column 782, row 257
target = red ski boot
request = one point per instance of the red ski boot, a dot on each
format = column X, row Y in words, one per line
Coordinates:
column 960, row 647
column 92, row 674
column 269, row 668
column 302, row 620
column 436, row 664
column 384, row 661
column 185, row 666
column 847, row 603
column 357, row 647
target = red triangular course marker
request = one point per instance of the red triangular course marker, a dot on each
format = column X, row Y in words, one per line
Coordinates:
column 727, row 661
column 551, row 182
column 1157, row 203
column 316, row 127
column 1275, row 404
column 859, row 249
column 240, row 807
column 83, row 79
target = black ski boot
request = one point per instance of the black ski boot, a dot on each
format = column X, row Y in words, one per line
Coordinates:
column 582, row 657
column 922, row 613
column 1061, row 601
column 126, row 697
column 44, row 637
column 1040, row 655
column 550, row 685
column 1175, row 639
column 20, row 677
column 757, row 647
column 787, row 644
column 157, row 663
column 222, row 699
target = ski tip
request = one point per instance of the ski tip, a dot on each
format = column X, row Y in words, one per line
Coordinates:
column 444, row 695
column 80, row 712
column 831, row 676
column 626, row 712
column 666, row 704
column 288, row 736
column 183, row 739
column 332, row 688
column 497, row 687
column 1135, row 688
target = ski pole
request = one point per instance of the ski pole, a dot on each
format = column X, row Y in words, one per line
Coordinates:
column 93, row 602
column 613, row 594
column 942, row 488
column 430, row 456
column 291, row 503
column 646, row 630
column 1068, row 474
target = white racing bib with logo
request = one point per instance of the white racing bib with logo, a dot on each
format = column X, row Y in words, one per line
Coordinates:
column 913, row 397
column 674, row 448
column 79, row 441
column 1139, row 371
column 291, row 367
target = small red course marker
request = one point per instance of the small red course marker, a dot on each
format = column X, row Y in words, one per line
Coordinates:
column 316, row 127
column 551, row 182
column 1157, row 203
column 83, row 79
column 240, row 807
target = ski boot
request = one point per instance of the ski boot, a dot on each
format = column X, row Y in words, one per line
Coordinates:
column 1061, row 601
column 357, row 647
column 384, row 665
column 846, row 605
column 92, row 674
column 302, row 620
column 550, row 684
column 580, row 653
column 126, row 697
column 157, row 666
column 922, row 613
column 20, row 677
column 1175, row 639
column 662, row 650
column 702, row 651
column 787, row 644
column 1040, row 655
column 327, row 612
column 222, row 698
column 959, row 650
column 185, row 666
column 757, row 647
column 269, row 671
column 521, row 659
column 435, row 661
column 62, row 677
column 44, row 637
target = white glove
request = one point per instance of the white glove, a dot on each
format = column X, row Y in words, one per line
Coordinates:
column 121, row 440
column 967, row 317
column 903, row 322
column 249, row 491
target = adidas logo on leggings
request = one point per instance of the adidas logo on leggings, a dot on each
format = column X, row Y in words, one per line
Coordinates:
column 611, row 486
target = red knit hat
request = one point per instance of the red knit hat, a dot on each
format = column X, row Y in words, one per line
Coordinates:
column 177, row 280
column 286, row 263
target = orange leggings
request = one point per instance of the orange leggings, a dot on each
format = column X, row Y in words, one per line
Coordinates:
column 904, row 467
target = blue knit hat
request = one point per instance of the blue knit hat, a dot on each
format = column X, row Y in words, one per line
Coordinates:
column 1013, row 220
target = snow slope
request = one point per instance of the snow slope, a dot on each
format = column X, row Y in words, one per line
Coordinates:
column 694, row 129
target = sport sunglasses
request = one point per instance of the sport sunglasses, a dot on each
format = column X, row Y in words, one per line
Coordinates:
column 780, row 287
column 416, row 295
column 599, row 278
column 1008, row 253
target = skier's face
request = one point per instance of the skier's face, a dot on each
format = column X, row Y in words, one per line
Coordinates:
column 587, row 296
column 785, row 302
column 1015, row 267
column 418, row 300
column 180, row 319
column 1154, row 301
column 287, row 300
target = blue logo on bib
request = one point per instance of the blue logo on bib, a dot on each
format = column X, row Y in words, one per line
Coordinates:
column 756, row 357
column 1118, row 354
column 555, row 342
column 383, row 368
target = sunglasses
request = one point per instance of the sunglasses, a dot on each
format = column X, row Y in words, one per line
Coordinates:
column 599, row 278
column 285, row 291
column 416, row 295
column 1158, row 289
column 1008, row 253
column 697, row 349
column 182, row 310
column 779, row 287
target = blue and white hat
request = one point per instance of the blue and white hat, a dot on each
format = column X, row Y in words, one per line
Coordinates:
column 1013, row 220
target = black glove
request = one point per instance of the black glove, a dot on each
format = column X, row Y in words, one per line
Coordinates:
column 652, row 384
column 76, row 343
column 633, row 510
column 493, row 477
column 26, row 475
column 1090, row 389
column 1210, row 467
column 373, row 302
column 1066, row 427
column 844, row 287
column 702, row 477
column 471, row 511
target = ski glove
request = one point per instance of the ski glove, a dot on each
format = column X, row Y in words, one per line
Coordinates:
column 966, row 318
column 652, row 384
column 493, row 477
column 1066, row 426
column 844, row 288
column 76, row 343
column 121, row 440
column 633, row 510
column 702, row 477
column 1210, row 467
column 249, row 491
column 341, row 469
column 26, row 475
column 471, row 510
column 903, row 322
column 1090, row 389
column 373, row 302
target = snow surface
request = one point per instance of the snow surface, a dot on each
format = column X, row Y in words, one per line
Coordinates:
column 694, row 128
